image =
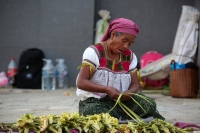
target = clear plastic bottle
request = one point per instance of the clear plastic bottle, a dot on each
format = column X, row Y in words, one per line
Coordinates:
column 61, row 74
column 48, row 76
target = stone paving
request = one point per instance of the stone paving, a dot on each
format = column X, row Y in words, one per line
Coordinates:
column 15, row 102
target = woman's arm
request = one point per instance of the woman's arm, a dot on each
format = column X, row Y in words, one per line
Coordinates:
column 135, row 85
column 84, row 83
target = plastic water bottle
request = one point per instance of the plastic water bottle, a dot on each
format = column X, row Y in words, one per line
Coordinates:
column 12, row 70
column 61, row 74
column 48, row 76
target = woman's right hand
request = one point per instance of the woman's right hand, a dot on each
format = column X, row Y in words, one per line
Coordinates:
column 112, row 92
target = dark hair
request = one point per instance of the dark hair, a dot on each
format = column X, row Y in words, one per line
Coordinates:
column 118, row 33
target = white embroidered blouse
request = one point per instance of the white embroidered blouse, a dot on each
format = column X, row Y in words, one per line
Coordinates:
column 105, row 77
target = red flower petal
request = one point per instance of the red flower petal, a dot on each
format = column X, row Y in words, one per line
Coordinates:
column 102, row 62
column 127, row 52
column 99, row 47
column 125, row 65
column 116, row 67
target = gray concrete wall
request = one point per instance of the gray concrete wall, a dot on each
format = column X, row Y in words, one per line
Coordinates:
column 64, row 28
column 61, row 28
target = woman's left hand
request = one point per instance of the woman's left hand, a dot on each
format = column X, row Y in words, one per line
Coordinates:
column 126, row 95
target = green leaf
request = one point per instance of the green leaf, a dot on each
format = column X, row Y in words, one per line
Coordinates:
column 109, row 65
column 119, row 66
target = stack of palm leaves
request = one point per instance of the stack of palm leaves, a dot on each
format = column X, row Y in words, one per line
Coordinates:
column 67, row 122
column 98, row 123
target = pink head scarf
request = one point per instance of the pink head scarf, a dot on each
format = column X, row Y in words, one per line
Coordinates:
column 121, row 25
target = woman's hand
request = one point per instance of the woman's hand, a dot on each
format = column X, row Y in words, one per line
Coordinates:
column 126, row 95
column 112, row 92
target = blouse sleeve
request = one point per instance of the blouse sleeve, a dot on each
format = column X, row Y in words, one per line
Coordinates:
column 90, row 56
column 133, row 63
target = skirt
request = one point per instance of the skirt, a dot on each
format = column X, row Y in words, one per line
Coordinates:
column 93, row 106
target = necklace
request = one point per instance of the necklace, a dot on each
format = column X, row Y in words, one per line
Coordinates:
column 107, row 53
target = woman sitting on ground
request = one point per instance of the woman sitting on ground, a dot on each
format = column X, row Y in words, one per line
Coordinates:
column 107, row 70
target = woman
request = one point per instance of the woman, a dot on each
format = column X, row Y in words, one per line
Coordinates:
column 107, row 70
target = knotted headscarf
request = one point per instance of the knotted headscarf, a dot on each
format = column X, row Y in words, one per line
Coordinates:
column 121, row 25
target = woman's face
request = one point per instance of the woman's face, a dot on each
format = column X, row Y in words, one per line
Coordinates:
column 121, row 42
